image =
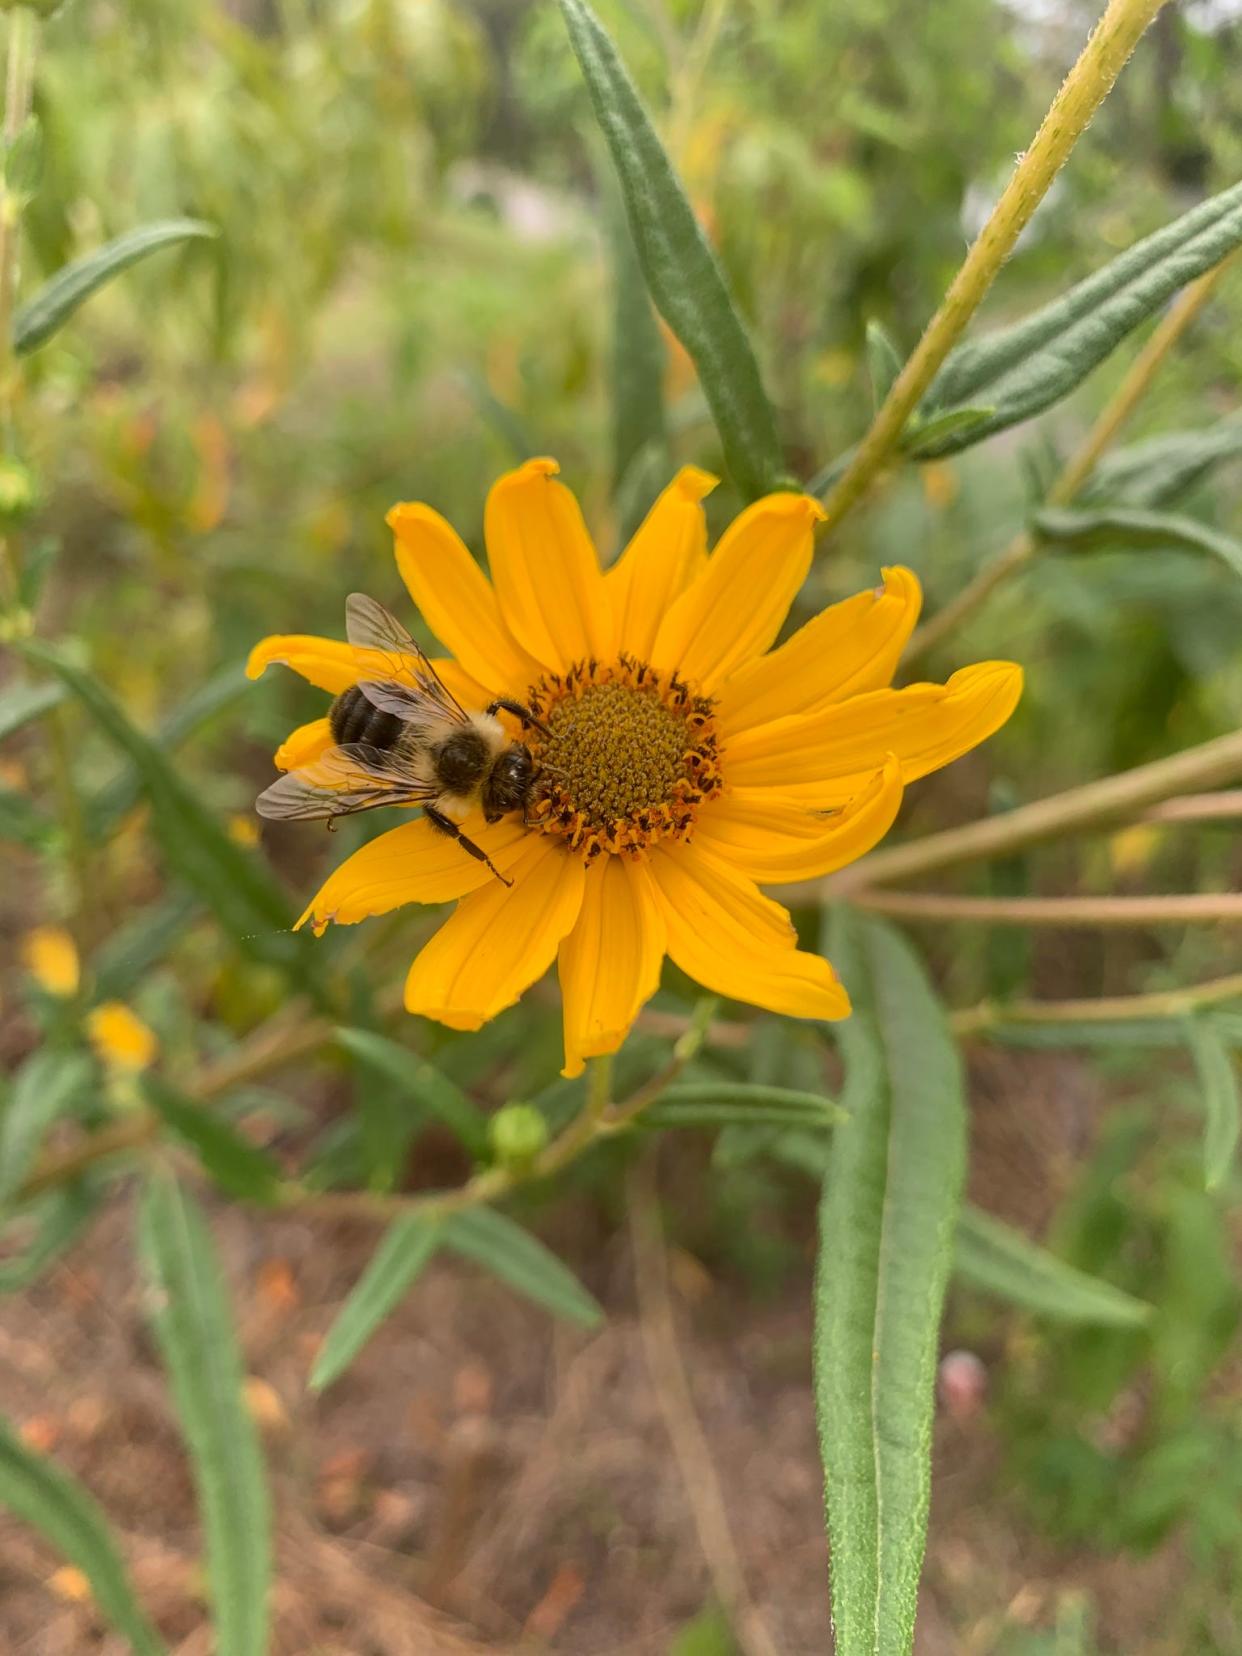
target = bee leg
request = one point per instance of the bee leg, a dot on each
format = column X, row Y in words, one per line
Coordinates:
column 529, row 721
column 446, row 825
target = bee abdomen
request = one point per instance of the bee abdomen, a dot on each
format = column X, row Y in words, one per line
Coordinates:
column 354, row 719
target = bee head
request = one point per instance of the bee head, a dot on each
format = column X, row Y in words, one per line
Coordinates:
column 509, row 782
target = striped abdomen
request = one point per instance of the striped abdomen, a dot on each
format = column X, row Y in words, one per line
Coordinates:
column 353, row 719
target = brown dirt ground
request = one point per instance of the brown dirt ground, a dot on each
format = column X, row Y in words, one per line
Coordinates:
column 483, row 1479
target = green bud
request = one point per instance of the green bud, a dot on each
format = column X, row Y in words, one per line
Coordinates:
column 518, row 1133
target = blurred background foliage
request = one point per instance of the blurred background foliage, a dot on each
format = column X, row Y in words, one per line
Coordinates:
column 411, row 287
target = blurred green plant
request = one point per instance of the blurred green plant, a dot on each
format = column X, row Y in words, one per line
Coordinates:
column 230, row 421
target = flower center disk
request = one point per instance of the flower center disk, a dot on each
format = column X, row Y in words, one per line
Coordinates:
column 630, row 755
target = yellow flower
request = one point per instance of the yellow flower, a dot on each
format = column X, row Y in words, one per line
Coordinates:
column 51, row 958
column 120, row 1038
column 686, row 762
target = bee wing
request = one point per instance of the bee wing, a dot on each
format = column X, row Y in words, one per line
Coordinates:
column 341, row 782
column 369, row 626
column 429, row 717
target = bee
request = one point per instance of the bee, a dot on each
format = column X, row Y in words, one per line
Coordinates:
column 402, row 744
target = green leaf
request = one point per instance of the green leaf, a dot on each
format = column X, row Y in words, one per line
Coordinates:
column 60, row 1215
column 1026, row 368
column 193, row 1325
column 48, row 1084
column 41, row 1495
column 887, row 1222
column 638, row 358
column 683, row 273
column 129, row 953
column 425, row 1087
column 404, row 1249
column 23, row 158
column 20, row 703
column 999, row 1260
column 111, row 803
column 233, row 1162
column 1222, row 1105
column 56, row 301
column 883, row 362
column 22, row 823
column 1128, row 529
column 1158, row 469
column 730, row 1104
column 235, row 885
column 521, row 1260
column 924, row 439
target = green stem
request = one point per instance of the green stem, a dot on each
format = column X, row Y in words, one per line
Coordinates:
column 1166, row 1003
column 1086, row 86
column 1195, row 908
column 19, row 85
column 1090, row 806
column 1023, row 547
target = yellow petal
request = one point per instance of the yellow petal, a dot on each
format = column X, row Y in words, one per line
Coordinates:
column 415, row 863
column 122, row 1041
column 499, row 940
column 668, row 552
column 50, row 955
column 610, row 962
column 457, row 601
column 734, row 609
column 303, row 745
column 823, row 760
column 729, row 937
column 847, row 649
column 333, row 665
column 545, row 570
column 772, row 838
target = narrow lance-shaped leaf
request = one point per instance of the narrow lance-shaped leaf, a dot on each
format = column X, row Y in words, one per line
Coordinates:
column 1026, row 368
column 1159, row 469
column 1222, row 1104
column 110, row 804
column 887, row 1223
column 190, row 1314
column 425, row 1088
column 734, row 1103
column 405, row 1248
column 997, row 1259
column 48, row 1084
column 43, row 315
column 682, row 271
column 883, row 361
column 522, row 1261
column 41, row 1495
column 20, row 703
column 233, row 1162
column 638, row 356
column 60, row 1215
column 1125, row 528
column 229, row 879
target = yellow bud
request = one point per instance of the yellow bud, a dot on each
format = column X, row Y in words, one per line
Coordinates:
column 120, row 1038
column 51, row 958
column 243, row 830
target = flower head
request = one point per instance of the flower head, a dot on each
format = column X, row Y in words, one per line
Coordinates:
column 122, row 1041
column 51, row 957
column 680, row 761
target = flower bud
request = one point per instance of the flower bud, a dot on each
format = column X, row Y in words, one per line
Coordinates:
column 518, row 1133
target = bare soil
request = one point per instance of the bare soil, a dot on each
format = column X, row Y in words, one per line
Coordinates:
column 484, row 1479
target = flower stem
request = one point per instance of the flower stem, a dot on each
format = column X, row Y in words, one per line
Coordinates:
column 599, row 1086
column 1194, row 908
column 1023, row 547
column 1166, row 1003
column 1084, row 90
column 19, row 84
column 1089, row 806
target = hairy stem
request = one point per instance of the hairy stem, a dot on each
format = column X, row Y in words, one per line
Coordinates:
column 1089, row 806
column 1166, row 1003
column 1198, row 908
column 1086, row 86
column 1024, row 545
